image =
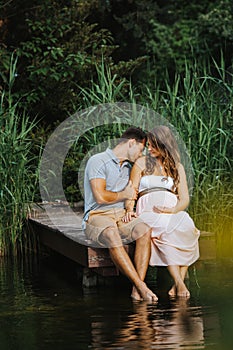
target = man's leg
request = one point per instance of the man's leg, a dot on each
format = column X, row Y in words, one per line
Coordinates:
column 142, row 249
column 111, row 238
column 142, row 252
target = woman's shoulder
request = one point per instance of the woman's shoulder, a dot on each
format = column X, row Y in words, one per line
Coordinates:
column 180, row 167
column 141, row 162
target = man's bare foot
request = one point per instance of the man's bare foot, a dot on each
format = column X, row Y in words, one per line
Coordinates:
column 135, row 295
column 149, row 296
column 142, row 292
column 172, row 291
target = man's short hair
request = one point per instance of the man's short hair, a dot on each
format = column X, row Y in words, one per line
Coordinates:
column 134, row 133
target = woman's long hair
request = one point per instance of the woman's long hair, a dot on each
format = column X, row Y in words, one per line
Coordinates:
column 162, row 138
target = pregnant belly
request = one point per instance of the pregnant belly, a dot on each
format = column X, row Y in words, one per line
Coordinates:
column 158, row 198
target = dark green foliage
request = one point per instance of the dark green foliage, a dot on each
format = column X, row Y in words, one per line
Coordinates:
column 58, row 51
column 174, row 32
column 172, row 56
column 60, row 43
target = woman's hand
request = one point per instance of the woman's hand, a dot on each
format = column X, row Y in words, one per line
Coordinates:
column 128, row 216
column 164, row 210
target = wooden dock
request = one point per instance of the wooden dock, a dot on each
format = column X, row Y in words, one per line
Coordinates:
column 67, row 238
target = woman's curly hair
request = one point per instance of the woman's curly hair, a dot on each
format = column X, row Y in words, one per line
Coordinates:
column 162, row 138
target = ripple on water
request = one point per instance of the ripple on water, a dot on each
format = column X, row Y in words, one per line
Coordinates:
column 44, row 307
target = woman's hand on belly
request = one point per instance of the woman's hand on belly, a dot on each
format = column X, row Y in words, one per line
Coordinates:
column 164, row 210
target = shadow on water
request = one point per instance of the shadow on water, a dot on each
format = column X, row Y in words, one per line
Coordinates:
column 43, row 306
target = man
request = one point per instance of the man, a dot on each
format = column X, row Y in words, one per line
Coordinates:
column 106, row 187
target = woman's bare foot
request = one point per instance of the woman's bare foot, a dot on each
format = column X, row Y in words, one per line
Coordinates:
column 182, row 290
column 142, row 292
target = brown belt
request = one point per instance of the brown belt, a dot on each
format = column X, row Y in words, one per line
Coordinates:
column 153, row 189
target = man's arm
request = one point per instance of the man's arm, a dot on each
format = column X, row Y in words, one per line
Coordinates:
column 103, row 196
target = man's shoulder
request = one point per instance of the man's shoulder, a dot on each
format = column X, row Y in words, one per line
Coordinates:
column 98, row 158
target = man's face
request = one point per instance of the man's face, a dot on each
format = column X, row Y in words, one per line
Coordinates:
column 135, row 150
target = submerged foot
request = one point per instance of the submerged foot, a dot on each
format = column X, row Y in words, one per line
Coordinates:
column 142, row 292
column 135, row 295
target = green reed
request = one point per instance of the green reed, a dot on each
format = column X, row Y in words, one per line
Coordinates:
column 18, row 172
column 199, row 105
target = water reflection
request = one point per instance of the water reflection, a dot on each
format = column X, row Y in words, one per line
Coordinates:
column 171, row 325
column 44, row 307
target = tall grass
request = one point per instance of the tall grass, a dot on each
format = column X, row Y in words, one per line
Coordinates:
column 199, row 105
column 17, row 172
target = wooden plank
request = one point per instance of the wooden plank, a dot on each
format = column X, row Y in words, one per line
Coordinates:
column 99, row 257
column 62, row 244
column 74, row 244
column 84, row 255
column 106, row 271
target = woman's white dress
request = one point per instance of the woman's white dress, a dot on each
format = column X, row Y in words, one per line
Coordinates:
column 174, row 236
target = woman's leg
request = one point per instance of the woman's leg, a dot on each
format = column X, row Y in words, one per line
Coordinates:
column 183, row 272
column 178, row 274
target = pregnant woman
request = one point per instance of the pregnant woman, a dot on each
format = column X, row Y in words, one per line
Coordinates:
column 162, row 199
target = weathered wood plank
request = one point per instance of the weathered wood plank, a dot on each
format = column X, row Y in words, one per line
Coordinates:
column 68, row 239
column 62, row 244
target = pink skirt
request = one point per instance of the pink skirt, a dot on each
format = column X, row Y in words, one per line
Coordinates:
column 174, row 238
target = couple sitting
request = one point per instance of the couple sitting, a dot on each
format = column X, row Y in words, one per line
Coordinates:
column 164, row 233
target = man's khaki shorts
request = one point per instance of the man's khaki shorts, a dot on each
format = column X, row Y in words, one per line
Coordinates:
column 99, row 220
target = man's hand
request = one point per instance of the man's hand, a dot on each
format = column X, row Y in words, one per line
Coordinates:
column 128, row 216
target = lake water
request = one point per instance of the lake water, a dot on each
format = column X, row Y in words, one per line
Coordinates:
column 43, row 306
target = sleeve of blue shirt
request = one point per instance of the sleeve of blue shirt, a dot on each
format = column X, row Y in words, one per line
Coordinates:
column 95, row 168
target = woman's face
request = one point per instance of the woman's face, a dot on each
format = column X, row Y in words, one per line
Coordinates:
column 154, row 151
